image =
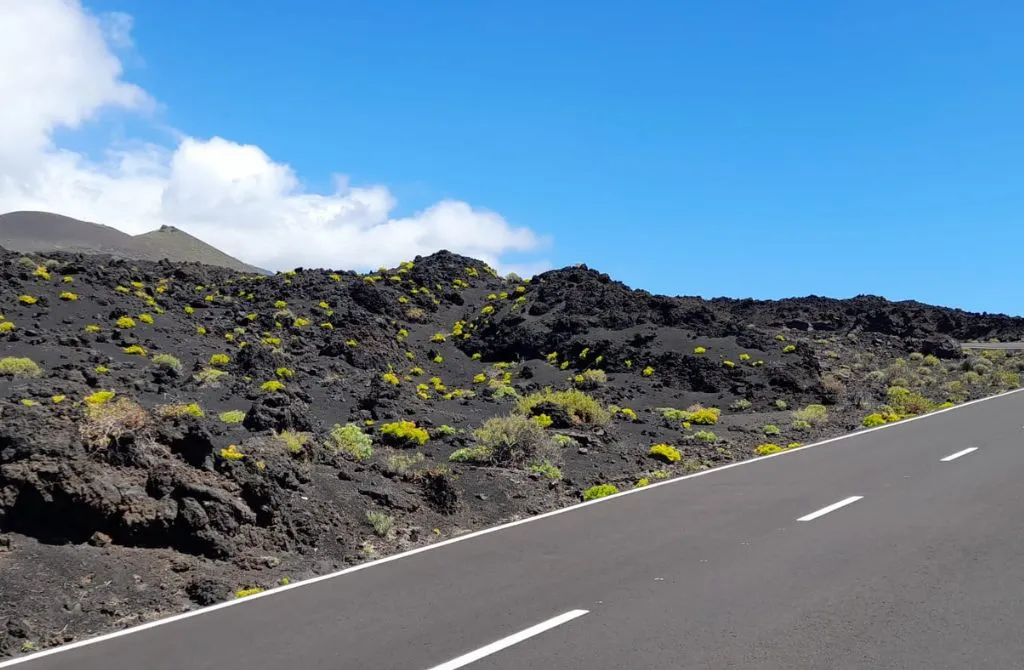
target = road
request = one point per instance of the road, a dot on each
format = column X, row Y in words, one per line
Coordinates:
column 895, row 548
column 1011, row 346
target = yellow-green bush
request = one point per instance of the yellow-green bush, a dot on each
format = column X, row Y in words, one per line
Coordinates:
column 166, row 361
column 789, row 348
column 294, row 441
column 580, row 406
column 666, row 453
column 180, row 409
column 98, row 398
column 390, row 378
column 219, row 359
column 134, row 350
column 648, row 371
column 92, row 328
column 232, row 416
column 816, row 415
column 272, row 386
column 404, row 433
column 705, row 416
column 27, row 299
column 284, row 373
column 245, row 593
column 19, row 367
column 125, row 322
column 68, row 296
column 146, row 318
column 478, row 454
column 351, row 441
column 905, row 401
column 513, row 440
column 231, row 453
column 6, row 326
column 875, row 419
column 766, row 449
column 600, row 491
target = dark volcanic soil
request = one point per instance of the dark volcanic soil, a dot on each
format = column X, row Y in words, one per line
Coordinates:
column 118, row 508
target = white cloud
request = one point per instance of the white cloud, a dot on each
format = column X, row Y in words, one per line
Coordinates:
column 231, row 195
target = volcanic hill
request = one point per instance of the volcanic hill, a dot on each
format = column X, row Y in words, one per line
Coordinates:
column 173, row 435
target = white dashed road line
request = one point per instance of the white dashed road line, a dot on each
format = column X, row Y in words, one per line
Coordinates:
column 953, row 457
column 831, row 508
column 505, row 642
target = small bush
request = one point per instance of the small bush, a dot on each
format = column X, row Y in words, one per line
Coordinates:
column 705, row 436
column 789, row 348
column 146, row 318
column 600, row 491
column 740, row 405
column 219, row 359
column 816, row 415
column 673, row 414
column 705, row 416
column 648, row 371
column 27, row 300
column 666, row 453
column 390, row 378
column 781, row 404
column 547, row 469
column 107, row 422
column 180, row 409
column 403, row 465
column 590, row 379
column 766, row 449
column 6, row 326
column 19, row 367
column 166, row 361
column 382, row 523
column 542, row 420
column 284, row 373
column 245, row 593
column 351, row 441
column 272, row 386
column 293, row 441
column 68, row 296
column 699, row 350
column 581, row 407
column 231, row 453
column 232, row 416
column 801, row 424
column 771, row 429
column 125, row 322
column 905, row 401
column 134, row 350
column 513, row 440
column 477, row 454
column 404, row 433
column 874, row 420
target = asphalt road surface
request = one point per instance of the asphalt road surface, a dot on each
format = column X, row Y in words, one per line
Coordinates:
column 896, row 548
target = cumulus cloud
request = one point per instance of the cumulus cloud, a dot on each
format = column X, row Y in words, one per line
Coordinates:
column 231, row 195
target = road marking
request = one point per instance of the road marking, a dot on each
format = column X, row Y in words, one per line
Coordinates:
column 831, row 508
column 270, row 593
column 505, row 642
column 953, row 457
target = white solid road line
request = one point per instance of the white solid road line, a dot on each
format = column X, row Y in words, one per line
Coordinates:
column 831, row 508
column 504, row 642
column 953, row 457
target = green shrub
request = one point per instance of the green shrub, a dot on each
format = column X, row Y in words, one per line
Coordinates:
column 134, row 350
column 382, row 523
column 590, row 379
column 905, row 401
column 125, row 322
column 284, row 373
column 27, row 300
column 547, row 469
column 294, row 441
column 581, row 407
column 542, row 420
column 272, row 386
column 816, row 415
column 444, row 430
column 873, row 420
column 245, row 593
column 390, row 378
column 781, row 404
column 771, row 429
column 600, row 491
column 404, row 433
column 766, row 449
column 699, row 350
column 513, row 440
column 68, row 296
column 673, row 414
column 219, row 359
column 232, row 416
column 166, row 361
column 789, row 348
column 477, row 454
column 402, row 465
column 6, row 326
column 666, row 453
column 351, row 441
column 180, row 409
column 648, row 371
column 209, row 377
column 705, row 436
column 19, row 367
column 801, row 424
column 740, row 405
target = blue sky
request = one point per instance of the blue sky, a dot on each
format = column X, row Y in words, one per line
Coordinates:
column 763, row 149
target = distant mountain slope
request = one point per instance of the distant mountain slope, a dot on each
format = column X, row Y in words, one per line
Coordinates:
column 42, row 232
